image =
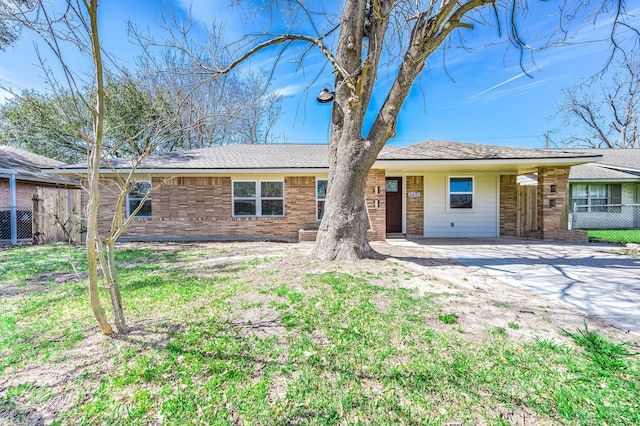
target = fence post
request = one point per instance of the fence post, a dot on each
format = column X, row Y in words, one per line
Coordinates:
column 37, row 217
column 12, row 209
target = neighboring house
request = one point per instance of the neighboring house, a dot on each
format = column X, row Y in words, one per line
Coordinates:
column 430, row 189
column 606, row 195
column 20, row 174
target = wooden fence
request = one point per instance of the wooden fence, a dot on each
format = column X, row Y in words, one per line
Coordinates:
column 527, row 211
column 57, row 215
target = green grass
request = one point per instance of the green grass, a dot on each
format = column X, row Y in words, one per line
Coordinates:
column 615, row 236
column 326, row 353
column 448, row 318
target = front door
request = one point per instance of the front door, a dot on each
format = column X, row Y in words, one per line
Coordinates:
column 394, row 204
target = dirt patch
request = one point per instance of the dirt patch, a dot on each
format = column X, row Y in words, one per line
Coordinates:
column 480, row 302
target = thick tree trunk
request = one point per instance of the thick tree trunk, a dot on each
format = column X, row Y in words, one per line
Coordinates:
column 343, row 231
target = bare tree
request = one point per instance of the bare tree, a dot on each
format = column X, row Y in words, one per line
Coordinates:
column 608, row 119
column 369, row 35
column 219, row 109
column 77, row 26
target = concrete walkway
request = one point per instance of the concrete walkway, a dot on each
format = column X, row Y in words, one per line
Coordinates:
column 589, row 277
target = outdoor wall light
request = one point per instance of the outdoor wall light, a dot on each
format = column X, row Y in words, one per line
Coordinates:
column 326, row 95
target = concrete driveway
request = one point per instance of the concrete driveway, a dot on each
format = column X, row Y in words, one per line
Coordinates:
column 589, row 277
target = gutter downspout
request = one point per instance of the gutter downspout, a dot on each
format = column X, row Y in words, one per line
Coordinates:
column 12, row 203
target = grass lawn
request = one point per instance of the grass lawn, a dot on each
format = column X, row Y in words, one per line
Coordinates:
column 615, row 236
column 262, row 334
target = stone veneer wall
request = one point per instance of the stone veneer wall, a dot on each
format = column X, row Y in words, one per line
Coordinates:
column 553, row 205
column 415, row 206
column 200, row 208
column 508, row 205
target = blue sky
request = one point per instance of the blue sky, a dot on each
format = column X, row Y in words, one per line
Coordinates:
column 483, row 96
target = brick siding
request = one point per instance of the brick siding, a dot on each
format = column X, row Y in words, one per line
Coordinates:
column 201, row 208
column 24, row 192
column 376, row 205
column 508, row 205
column 553, row 205
column 415, row 206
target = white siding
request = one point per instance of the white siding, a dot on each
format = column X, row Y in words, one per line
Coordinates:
column 481, row 222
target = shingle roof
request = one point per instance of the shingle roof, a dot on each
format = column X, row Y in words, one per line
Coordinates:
column 619, row 158
column 442, row 150
column 597, row 172
column 311, row 156
column 29, row 165
column 240, row 156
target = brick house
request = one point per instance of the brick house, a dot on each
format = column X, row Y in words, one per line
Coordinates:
column 430, row 189
column 26, row 167
column 20, row 175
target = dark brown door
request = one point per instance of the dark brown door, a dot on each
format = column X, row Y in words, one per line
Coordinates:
column 394, row 204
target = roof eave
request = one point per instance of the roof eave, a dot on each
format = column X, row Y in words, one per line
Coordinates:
column 605, row 180
column 178, row 171
column 622, row 169
column 485, row 161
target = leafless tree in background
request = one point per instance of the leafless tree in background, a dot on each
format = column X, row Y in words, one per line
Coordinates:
column 608, row 119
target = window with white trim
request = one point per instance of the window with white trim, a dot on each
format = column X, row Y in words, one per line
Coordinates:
column 258, row 198
column 321, row 196
column 136, row 196
column 598, row 197
column 460, row 193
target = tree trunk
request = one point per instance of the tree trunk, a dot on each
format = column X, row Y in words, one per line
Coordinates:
column 93, row 169
column 343, row 232
column 92, row 248
column 114, row 288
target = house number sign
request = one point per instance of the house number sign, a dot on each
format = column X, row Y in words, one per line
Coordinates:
column 414, row 195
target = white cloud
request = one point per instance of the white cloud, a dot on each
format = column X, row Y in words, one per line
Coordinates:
column 4, row 95
column 9, row 80
column 205, row 12
column 290, row 90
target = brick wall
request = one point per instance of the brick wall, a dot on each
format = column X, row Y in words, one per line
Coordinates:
column 553, row 205
column 376, row 205
column 508, row 204
column 415, row 206
column 24, row 192
column 200, row 207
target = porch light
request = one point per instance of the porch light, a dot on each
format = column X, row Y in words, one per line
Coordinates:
column 326, row 95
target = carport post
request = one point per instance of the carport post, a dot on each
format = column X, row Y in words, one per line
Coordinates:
column 12, row 204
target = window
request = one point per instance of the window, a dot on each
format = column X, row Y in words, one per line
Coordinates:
column 460, row 193
column 391, row 185
column 258, row 198
column 598, row 197
column 136, row 196
column 321, row 196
